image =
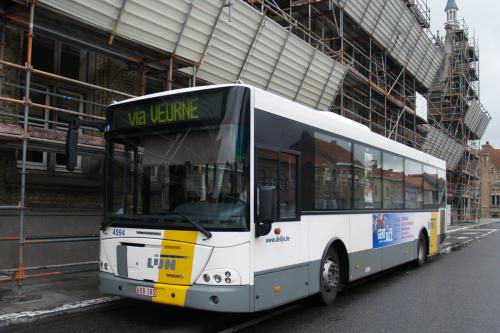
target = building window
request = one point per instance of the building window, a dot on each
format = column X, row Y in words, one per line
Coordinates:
column 36, row 118
column 154, row 85
column 495, row 200
column 67, row 60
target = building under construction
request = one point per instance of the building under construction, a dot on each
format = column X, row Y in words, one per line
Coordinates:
column 372, row 61
column 456, row 111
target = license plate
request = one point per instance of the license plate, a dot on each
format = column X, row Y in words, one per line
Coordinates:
column 145, row 291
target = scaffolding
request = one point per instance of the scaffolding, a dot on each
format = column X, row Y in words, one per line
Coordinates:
column 381, row 85
column 386, row 69
column 37, row 126
column 455, row 107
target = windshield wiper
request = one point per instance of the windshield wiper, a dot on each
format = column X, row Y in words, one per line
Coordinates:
column 198, row 226
column 122, row 218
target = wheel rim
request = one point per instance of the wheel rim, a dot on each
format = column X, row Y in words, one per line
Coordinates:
column 330, row 275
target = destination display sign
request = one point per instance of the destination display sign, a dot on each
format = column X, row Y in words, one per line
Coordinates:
column 168, row 110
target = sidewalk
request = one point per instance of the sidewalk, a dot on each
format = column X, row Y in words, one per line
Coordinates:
column 49, row 296
column 463, row 226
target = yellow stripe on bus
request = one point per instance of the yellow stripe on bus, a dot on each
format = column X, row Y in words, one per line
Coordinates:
column 174, row 276
column 433, row 237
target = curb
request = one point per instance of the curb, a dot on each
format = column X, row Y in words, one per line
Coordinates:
column 9, row 319
column 452, row 247
column 480, row 224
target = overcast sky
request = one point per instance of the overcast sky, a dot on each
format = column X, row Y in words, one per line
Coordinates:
column 483, row 17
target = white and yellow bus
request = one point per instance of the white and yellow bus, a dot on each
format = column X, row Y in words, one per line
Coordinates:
column 230, row 198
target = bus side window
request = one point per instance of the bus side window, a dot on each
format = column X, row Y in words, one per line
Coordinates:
column 278, row 169
column 266, row 172
column 368, row 169
column 393, row 178
column 288, row 186
column 441, row 188
column 430, row 187
column 413, row 184
column 332, row 172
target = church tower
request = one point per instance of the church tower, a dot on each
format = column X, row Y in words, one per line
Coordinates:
column 451, row 15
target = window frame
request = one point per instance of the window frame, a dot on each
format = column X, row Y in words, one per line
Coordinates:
column 279, row 150
column 45, row 90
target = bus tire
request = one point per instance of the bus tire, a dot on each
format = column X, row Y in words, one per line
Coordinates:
column 421, row 251
column 329, row 279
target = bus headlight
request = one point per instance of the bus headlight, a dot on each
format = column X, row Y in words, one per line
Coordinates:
column 104, row 266
column 219, row 277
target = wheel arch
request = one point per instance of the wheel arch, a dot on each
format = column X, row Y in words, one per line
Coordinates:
column 423, row 231
column 341, row 249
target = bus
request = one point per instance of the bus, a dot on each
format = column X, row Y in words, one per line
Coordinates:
column 230, row 198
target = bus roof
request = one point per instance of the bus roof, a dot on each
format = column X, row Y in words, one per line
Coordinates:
column 325, row 120
column 180, row 91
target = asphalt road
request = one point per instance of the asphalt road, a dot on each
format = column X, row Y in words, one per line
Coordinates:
column 455, row 292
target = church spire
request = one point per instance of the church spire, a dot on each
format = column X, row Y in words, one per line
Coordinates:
column 451, row 14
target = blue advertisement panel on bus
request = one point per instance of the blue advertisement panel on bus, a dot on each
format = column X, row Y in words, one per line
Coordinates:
column 392, row 229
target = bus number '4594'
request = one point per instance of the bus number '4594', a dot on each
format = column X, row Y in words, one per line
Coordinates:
column 119, row 232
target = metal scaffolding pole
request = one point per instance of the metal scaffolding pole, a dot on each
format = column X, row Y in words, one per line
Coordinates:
column 20, row 270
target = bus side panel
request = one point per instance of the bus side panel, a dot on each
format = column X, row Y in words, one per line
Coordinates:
column 363, row 259
column 322, row 230
column 399, row 254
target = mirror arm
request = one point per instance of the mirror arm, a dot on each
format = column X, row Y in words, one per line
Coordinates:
column 72, row 139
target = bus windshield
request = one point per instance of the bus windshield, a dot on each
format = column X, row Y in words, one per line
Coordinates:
column 167, row 176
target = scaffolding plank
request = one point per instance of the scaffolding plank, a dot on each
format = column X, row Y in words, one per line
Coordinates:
column 227, row 45
column 398, row 38
column 477, row 118
column 439, row 144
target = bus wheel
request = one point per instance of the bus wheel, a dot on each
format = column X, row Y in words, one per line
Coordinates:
column 421, row 251
column 329, row 277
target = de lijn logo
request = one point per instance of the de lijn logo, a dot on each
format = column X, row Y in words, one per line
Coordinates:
column 162, row 262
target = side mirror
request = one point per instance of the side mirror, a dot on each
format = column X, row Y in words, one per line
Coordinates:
column 71, row 143
column 267, row 210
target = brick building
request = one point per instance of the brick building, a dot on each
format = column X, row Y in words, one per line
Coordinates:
column 490, row 181
column 77, row 70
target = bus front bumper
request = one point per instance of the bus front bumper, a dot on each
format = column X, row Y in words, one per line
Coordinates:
column 203, row 297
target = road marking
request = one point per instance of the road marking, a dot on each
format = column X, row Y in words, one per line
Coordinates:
column 26, row 316
column 448, row 246
column 489, row 232
column 459, row 229
column 465, row 228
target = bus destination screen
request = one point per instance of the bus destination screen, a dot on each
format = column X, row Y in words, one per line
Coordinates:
column 165, row 110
